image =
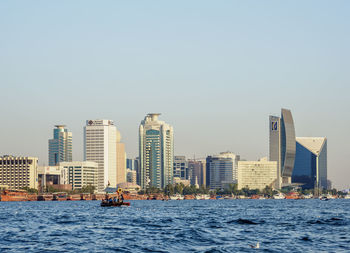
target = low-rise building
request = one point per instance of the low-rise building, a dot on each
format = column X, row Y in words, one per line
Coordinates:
column 18, row 172
column 257, row 174
column 79, row 174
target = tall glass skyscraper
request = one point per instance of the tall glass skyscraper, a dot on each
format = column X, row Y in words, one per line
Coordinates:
column 156, row 148
column 60, row 147
column 282, row 146
column 310, row 168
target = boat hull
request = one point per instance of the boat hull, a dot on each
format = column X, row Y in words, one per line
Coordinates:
column 115, row 204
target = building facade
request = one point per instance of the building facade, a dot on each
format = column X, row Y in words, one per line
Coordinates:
column 181, row 168
column 156, row 149
column 121, row 160
column 197, row 168
column 79, row 174
column 257, row 174
column 282, row 146
column 131, row 176
column 60, row 147
column 310, row 168
column 221, row 170
column 19, row 172
column 100, row 146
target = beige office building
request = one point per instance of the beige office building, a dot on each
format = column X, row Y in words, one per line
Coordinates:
column 79, row 174
column 121, row 161
column 257, row 174
column 19, row 172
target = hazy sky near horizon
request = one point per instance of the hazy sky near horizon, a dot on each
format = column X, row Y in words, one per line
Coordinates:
column 215, row 70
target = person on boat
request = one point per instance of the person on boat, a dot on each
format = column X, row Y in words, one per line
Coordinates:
column 114, row 200
column 110, row 200
column 121, row 198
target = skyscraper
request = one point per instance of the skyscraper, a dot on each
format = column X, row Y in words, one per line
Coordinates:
column 156, row 148
column 100, row 146
column 60, row 147
column 310, row 168
column 121, row 160
column 282, row 146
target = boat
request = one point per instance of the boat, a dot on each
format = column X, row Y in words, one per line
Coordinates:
column 347, row 196
column 326, row 197
column 308, row 196
column 104, row 203
column 14, row 195
column 59, row 196
column 280, row 195
column 202, row 197
column 177, row 197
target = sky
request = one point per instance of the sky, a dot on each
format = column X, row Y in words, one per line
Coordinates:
column 215, row 70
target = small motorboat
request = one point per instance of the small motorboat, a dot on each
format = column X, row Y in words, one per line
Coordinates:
column 105, row 203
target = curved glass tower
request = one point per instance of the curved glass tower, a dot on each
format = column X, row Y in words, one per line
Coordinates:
column 282, row 146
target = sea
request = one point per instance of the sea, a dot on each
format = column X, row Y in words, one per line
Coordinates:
column 309, row 225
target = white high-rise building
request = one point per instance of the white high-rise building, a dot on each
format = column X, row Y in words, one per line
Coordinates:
column 156, row 147
column 100, row 146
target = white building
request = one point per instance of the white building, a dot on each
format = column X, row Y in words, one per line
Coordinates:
column 100, row 146
column 79, row 174
column 257, row 174
column 156, row 147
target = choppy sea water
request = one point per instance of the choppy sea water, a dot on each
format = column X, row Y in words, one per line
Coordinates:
column 176, row 226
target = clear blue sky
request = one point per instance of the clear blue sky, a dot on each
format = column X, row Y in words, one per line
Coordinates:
column 214, row 69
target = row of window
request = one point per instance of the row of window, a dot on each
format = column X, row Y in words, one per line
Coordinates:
column 10, row 162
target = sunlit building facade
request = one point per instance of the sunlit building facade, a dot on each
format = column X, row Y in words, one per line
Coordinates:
column 282, row 146
column 156, row 148
column 19, row 172
column 60, row 147
column 257, row 174
column 221, row 170
column 100, row 146
column 79, row 174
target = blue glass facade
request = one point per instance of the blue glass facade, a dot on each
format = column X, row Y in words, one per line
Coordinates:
column 304, row 171
column 60, row 147
column 310, row 168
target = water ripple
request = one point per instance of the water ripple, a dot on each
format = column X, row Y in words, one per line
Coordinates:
column 176, row 226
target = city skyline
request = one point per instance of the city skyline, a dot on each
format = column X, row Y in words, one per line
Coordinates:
column 215, row 71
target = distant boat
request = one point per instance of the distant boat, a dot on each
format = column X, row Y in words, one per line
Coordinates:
column 13, row 195
column 308, row 196
column 202, row 196
column 280, row 195
column 177, row 197
column 347, row 196
column 105, row 203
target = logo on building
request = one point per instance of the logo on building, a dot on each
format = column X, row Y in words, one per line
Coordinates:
column 274, row 126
